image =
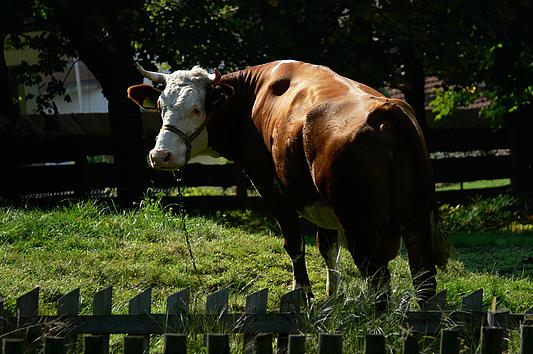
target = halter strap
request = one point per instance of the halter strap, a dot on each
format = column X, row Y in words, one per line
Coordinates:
column 188, row 139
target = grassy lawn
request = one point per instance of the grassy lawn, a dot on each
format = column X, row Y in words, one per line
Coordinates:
column 492, row 183
column 91, row 247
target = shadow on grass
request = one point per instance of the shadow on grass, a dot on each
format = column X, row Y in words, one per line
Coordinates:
column 506, row 253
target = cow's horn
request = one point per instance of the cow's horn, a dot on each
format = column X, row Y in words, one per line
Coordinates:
column 215, row 77
column 155, row 77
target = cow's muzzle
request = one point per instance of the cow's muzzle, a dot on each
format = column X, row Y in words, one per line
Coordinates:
column 163, row 160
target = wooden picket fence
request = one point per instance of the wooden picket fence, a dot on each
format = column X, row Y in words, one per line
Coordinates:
column 28, row 331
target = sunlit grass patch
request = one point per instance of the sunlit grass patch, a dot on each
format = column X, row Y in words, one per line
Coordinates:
column 489, row 183
column 92, row 246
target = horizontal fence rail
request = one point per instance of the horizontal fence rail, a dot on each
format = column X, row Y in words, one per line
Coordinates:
column 27, row 330
column 68, row 158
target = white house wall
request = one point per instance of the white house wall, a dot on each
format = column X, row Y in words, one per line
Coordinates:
column 93, row 101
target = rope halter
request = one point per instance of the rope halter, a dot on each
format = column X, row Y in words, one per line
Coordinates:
column 188, row 139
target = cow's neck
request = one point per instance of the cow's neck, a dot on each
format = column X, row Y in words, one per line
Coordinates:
column 232, row 132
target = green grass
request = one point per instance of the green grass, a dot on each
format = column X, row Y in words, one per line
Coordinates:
column 489, row 183
column 90, row 246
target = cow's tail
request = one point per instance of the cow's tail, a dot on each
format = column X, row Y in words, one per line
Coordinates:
column 439, row 243
column 401, row 115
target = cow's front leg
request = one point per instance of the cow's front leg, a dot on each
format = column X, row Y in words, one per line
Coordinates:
column 329, row 247
column 295, row 247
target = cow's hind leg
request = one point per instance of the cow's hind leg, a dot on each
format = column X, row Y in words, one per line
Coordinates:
column 295, row 247
column 329, row 247
column 413, row 207
column 371, row 237
column 421, row 263
column 359, row 190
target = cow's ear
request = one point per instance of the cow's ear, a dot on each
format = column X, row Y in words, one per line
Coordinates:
column 219, row 95
column 145, row 96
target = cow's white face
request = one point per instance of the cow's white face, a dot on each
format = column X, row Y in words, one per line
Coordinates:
column 182, row 106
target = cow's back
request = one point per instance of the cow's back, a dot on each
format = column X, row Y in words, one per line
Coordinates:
column 306, row 114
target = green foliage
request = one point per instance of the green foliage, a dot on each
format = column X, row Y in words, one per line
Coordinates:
column 482, row 214
column 490, row 49
column 464, row 44
column 446, row 102
column 497, row 105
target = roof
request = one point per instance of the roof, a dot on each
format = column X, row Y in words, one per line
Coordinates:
column 85, row 73
column 431, row 85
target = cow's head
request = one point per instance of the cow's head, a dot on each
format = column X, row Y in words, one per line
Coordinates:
column 183, row 108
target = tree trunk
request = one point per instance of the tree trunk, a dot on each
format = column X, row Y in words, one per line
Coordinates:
column 111, row 62
column 116, row 72
column 414, row 89
column 520, row 128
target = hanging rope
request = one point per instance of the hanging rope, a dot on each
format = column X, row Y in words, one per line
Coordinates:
column 183, row 216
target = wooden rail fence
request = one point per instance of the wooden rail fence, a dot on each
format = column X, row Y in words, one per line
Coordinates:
column 26, row 330
column 38, row 159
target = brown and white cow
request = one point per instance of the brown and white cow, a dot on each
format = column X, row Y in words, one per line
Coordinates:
column 314, row 144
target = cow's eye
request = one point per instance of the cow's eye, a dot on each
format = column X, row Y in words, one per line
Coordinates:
column 196, row 111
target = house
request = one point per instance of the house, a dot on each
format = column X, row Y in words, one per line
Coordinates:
column 80, row 84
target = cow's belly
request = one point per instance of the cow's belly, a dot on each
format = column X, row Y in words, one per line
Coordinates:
column 321, row 215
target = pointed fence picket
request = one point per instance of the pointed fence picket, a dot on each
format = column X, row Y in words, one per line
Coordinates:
column 28, row 331
column 102, row 306
column 256, row 304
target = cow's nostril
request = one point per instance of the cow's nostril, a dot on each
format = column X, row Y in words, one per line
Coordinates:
column 158, row 157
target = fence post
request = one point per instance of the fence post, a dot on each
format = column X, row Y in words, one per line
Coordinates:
column 217, row 306
column 491, row 340
column 500, row 318
column 289, row 303
column 217, row 343
column 473, row 304
column 217, row 302
column 142, row 305
column 526, row 339
column 27, row 308
column 2, row 319
column 410, row 343
column 263, row 343
column 68, row 305
column 94, row 344
column 329, row 343
column 178, row 306
column 436, row 302
column 296, row 344
column 256, row 304
column 54, row 345
column 102, row 306
column 28, row 304
column 449, row 341
column 134, row 344
column 374, row 344
column 175, row 343
column 12, row 346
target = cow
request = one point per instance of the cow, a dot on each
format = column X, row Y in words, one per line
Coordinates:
column 316, row 145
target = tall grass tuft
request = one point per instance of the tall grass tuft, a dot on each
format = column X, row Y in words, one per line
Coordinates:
column 352, row 311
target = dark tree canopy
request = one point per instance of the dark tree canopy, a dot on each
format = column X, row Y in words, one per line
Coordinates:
column 475, row 47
